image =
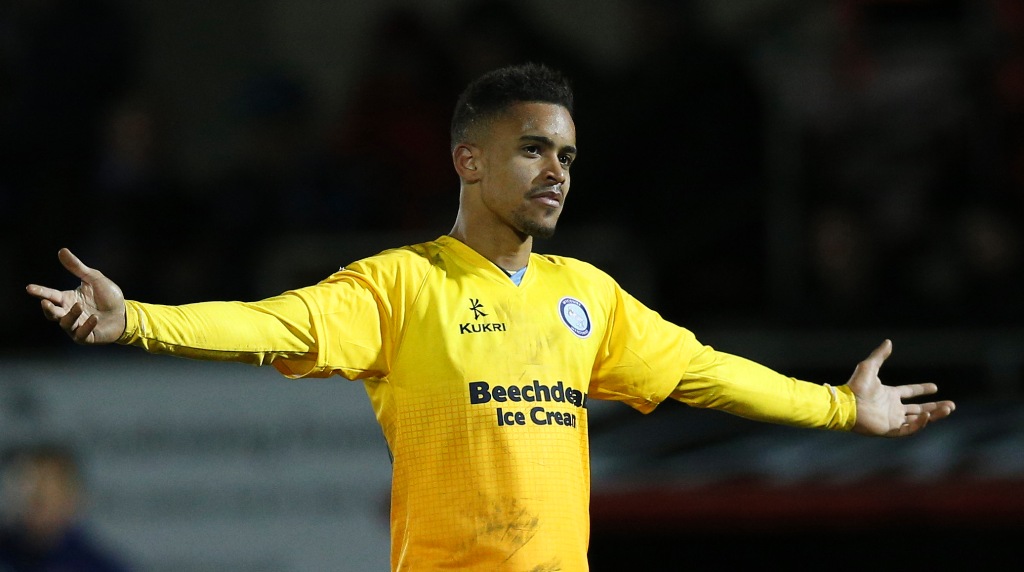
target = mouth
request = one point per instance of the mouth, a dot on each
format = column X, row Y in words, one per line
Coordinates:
column 549, row 196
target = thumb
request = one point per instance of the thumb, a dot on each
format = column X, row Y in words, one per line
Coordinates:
column 878, row 356
column 74, row 265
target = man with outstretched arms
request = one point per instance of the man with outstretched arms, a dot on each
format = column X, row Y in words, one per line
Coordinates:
column 480, row 356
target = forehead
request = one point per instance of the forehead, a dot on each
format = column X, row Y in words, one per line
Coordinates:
column 543, row 119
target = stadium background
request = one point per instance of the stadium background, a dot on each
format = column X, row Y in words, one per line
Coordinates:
column 793, row 180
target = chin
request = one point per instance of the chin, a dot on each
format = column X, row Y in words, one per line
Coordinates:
column 537, row 227
column 538, row 230
column 541, row 232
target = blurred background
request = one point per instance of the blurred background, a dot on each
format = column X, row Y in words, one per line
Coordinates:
column 793, row 180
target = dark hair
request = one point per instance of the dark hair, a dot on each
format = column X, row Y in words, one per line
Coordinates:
column 499, row 89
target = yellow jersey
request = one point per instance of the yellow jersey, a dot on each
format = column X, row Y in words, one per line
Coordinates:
column 481, row 387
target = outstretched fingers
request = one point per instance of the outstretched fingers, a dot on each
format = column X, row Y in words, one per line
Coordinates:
column 51, row 311
column 70, row 320
column 88, row 314
column 916, row 390
column 78, row 324
column 920, row 415
column 882, row 410
column 939, row 409
column 82, row 332
column 49, row 298
column 934, row 409
column 913, row 424
column 54, row 302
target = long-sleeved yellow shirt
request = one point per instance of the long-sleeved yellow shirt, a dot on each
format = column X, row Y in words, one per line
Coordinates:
column 481, row 387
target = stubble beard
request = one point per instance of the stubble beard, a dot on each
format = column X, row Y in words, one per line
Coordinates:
column 529, row 226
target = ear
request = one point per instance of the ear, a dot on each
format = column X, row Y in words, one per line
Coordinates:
column 467, row 162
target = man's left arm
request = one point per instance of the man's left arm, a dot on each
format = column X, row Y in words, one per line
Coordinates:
column 730, row 383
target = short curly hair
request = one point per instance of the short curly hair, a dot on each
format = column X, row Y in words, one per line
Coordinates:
column 497, row 90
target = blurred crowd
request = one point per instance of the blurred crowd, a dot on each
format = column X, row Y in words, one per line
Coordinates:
column 44, row 522
column 851, row 163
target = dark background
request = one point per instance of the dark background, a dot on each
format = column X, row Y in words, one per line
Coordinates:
column 808, row 165
column 792, row 180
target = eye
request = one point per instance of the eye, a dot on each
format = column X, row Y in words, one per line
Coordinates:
column 566, row 160
column 532, row 149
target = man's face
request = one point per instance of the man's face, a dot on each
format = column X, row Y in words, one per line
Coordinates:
column 527, row 153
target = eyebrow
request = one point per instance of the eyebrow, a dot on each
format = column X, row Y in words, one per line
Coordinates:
column 548, row 142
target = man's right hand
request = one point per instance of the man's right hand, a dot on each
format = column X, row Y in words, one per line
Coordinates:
column 93, row 313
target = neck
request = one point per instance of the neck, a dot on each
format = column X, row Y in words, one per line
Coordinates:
column 502, row 245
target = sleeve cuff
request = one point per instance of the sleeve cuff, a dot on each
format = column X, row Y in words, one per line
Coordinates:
column 131, row 323
column 844, row 402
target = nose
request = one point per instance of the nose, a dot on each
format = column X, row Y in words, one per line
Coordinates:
column 556, row 172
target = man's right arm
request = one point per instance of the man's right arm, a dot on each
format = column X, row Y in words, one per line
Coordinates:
column 256, row 333
column 335, row 327
column 96, row 312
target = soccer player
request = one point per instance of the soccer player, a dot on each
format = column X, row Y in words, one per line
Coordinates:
column 480, row 356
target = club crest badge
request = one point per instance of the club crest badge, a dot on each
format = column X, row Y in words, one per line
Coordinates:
column 574, row 316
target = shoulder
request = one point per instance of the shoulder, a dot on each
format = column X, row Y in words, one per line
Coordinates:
column 575, row 275
column 408, row 255
column 83, row 549
column 570, row 267
column 388, row 265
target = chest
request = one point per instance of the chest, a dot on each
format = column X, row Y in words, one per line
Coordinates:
column 475, row 328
